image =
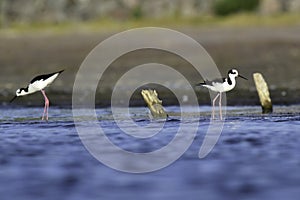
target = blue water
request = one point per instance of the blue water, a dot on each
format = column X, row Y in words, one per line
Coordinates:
column 257, row 156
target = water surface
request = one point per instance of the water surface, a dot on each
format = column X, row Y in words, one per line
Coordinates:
column 257, row 156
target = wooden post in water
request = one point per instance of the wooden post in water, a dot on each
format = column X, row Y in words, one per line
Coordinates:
column 154, row 104
column 263, row 93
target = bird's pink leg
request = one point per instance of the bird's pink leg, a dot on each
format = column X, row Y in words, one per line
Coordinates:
column 44, row 112
column 46, row 106
column 213, row 110
column 220, row 105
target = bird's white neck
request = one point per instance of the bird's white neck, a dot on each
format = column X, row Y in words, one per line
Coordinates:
column 231, row 80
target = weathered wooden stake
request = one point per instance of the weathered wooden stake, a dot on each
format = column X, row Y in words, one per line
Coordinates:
column 154, row 104
column 263, row 93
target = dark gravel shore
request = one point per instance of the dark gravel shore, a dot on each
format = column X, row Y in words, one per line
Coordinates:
column 275, row 52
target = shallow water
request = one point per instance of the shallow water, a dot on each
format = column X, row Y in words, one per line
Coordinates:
column 257, row 156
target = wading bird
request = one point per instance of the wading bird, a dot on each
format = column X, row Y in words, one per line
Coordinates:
column 220, row 86
column 39, row 83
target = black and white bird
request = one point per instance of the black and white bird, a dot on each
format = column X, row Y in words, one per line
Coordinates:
column 39, row 83
column 220, row 86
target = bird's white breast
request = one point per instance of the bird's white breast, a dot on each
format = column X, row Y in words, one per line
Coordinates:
column 221, row 87
column 41, row 84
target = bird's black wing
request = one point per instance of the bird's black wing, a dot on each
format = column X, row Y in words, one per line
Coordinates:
column 44, row 76
column 207, row 82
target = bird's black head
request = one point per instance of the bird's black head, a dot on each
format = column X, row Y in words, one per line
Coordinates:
column 22, row 91
column 234, row 73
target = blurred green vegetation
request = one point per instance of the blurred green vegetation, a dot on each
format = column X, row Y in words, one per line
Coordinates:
column 137, row 12
column 229, row 13
column 243, row 19
column 227, row 7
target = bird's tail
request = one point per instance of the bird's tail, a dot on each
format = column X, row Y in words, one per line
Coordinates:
column 60, row 71
column 200, row 84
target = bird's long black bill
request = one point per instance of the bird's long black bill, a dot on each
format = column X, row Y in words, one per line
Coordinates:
column 243, row 77
column 13, row 99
